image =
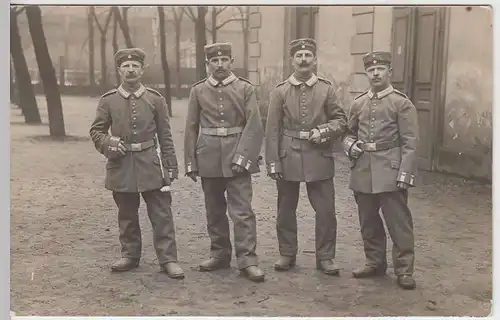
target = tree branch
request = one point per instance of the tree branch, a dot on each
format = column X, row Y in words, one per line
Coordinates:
column 227, row 21
column 217, row 12
column 190, row 13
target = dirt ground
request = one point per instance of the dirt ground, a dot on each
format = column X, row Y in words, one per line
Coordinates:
column 64, row 237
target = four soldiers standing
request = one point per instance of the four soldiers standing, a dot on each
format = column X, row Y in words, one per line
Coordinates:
column 223, row 139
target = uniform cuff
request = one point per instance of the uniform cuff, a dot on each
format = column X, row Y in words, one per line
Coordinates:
column 407, row 178
column 324, row 131
column 348, row 143
column 191, row 167
column 273, row 167
column 242, row 161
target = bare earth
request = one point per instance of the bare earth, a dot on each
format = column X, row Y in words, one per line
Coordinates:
column 64, row 237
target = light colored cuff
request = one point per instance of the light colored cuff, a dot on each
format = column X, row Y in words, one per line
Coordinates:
column 242, row 161
column 273, row 167
column 406, row 177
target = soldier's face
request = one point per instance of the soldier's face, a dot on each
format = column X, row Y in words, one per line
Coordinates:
column 131, row 71
column 379, row 75
column 304, row 61
column 220, row 66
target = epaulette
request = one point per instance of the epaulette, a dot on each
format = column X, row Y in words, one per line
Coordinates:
column 154, row 91
column 282, row 83
column 401, row 93
column 244, row 79
column 109, row 92
column 359, row 96
column 325, row 80
column 198, row 82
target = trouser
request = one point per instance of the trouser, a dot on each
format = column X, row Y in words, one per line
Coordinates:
column 239, row 206
column 399, row 223
column 322, row 198
column 160, row 214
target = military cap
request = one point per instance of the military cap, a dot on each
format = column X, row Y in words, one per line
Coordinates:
column 218, row 49
column 377, row 57
column 129, row 54
column 302, row 44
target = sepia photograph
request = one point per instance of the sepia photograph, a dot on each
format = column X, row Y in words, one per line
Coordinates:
column 251, row 160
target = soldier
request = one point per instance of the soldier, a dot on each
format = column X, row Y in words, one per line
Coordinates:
column 222, row 143
column 135, row 114
column 304, row 120
column 381, row 141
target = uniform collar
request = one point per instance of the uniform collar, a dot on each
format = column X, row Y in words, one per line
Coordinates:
column 382, row 93
column 214, row 82
column 312, row 81
column 124, row 93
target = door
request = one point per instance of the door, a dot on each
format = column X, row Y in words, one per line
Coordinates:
column 416, row 35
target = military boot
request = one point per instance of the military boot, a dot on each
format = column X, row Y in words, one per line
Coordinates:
column 125, row 264
column 173, row 270
column 253, row 273
column 284, row 263
column 368, row 271
column 406, row 282
column 214, row 264
column 328, row 267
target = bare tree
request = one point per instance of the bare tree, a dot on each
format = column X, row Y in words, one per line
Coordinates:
column 244, row 18
column 115, row 43
column 200, row 38
column 103, row 30
column 25, row 91
column 178, row 14
column 163, row 57
column 90, row 24
column 122, row 19
column 47, row 72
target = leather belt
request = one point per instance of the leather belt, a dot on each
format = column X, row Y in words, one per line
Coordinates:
column 303, row 135
column 378, row 146
column 136, row 147
column 221, row 132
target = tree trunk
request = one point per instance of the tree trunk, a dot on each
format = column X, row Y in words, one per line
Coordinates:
column 47, row 72
column 201, row 40
column 214, row 24
column 115, row 45
column 122, row 21
column 178, row 58
column 27, row 100
column 163, row 57
column 104, row 65
column 90, row 23
column 14, row 98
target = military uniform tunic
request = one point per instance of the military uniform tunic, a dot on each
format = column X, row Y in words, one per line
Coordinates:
column 224, row 127
column 388, row 119
column 387, row 124
column 135, row 118
column 232, row 105
column 294, row 109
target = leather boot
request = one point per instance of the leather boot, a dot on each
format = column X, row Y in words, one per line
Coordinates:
column 284, row 263
column 173, row 270
column 406, row 282
column 124, row 264
column 254, row 273
column 368, row 271
column 214, row 264
column 328, row 267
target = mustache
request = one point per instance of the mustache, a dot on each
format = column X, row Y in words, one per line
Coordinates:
column 304, row 64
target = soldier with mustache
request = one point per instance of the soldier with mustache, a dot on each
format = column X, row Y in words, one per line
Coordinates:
column 304, row 119
column 223, row 139
column 136, row 115
column 381, row 140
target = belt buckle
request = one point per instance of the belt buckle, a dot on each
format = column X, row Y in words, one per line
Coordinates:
column 304, row 134
column 135, row 147
column 370, row 146
column 222, row 131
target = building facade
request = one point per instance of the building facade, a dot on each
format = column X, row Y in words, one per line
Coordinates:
column 444, row 65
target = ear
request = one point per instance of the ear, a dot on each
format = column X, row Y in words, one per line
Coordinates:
column 206, row 62
column 232, row 60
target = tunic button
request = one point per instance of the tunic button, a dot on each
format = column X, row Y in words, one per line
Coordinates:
column 222, row 120
column 373, row 119
column 303, row 122
column 221, row 106
column 134, row 126
column 221, row 113
column 220, row 91
column 220, row 98
column 134, row 132
column 133, row 103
